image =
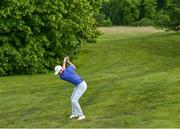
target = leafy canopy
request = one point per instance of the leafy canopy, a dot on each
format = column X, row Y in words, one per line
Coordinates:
column 36, row 34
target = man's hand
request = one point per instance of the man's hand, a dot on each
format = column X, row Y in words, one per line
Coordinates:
column 65, row 59
column 69, row 62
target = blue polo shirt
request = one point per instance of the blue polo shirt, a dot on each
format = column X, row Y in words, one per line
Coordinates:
column 71, row 76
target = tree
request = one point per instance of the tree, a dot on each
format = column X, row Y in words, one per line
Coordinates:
column 102, row 18
column 147, row 9
column 175, row 14
column 36, row 34
column 124, row 12
column 163, row 13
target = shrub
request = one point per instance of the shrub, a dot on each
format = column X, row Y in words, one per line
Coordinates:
column 144, row 22
column 36, row 34
column 162, row 19
column 102, row 21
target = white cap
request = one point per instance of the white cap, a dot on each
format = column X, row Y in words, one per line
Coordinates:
column 57, row 69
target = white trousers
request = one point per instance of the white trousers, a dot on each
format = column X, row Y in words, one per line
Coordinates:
column 76, row 95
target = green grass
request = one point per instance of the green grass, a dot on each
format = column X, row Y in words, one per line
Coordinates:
column 133, row 81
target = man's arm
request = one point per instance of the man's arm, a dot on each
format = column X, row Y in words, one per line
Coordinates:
column 69, row 62
column 64, row 63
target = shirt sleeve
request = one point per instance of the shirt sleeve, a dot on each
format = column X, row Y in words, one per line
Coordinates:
column 71, row 67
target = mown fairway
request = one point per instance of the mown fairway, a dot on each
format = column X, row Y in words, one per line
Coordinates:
column 133, row 77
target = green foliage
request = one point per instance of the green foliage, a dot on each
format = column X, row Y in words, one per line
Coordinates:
column 102, row 18
column 162, row 19
column 127, row 12
column 102, row 21
column 36, row 34
column 149, row 8
column 144, row 22
column 124, row 12
column 175, row 14
column 163, row 13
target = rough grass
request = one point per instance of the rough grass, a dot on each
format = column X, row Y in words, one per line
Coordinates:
column 122, row 32
column 133, row 81
column 126, row 30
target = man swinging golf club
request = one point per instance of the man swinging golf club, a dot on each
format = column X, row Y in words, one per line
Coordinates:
column 69, row 74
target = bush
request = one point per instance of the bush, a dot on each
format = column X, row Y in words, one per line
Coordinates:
column 177, row 28
column 162, row 19
column 144, row 22
column 36, row 34
column 102, row 21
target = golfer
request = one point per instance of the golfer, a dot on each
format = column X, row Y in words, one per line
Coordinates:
column 69, row 74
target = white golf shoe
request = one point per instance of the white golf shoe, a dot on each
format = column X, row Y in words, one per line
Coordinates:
column 73, row 116
column 82, row 117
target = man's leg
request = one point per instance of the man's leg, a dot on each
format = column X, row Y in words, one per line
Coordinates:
column 74, row 112
column 78, row 93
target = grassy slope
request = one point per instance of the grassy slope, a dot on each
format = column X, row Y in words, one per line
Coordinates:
column 133, row 81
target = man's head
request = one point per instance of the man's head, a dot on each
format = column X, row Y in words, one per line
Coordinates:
column 58, row 69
